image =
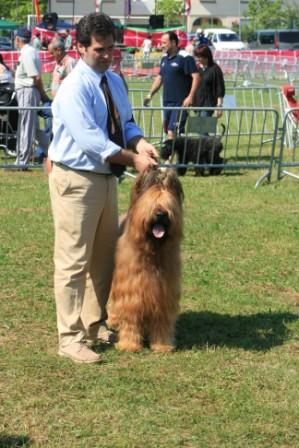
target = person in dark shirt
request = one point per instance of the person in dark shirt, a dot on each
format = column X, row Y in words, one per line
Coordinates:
column 180, row 78
column 211, row 86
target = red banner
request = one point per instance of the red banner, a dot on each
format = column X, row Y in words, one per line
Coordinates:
column 135, row 38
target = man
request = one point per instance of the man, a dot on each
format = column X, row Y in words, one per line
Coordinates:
column 64, row 63
column 68, row 41
column 146, row 46
column 36, row 42
column 29, row 92
column 180, row 79
column 83, row 189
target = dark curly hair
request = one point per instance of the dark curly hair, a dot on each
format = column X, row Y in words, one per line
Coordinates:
column 94, row 24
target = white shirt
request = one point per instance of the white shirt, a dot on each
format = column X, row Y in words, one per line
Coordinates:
column 28, row 66
column 147, row 44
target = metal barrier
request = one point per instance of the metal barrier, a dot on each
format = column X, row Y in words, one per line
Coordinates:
column 246, row 142
column 236, row 97
column 138, row 67
column 9, row 136
column 241, row 150
column 289, row 154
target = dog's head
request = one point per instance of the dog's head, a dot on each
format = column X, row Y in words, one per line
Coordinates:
column 155, row 212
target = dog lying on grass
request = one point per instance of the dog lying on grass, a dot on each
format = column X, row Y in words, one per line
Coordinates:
column 204, row 150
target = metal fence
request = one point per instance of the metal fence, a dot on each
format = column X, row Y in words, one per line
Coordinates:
column 236, row 97
column 9, row 136
column 248, row 142
column 245, row 143
column 289, row 154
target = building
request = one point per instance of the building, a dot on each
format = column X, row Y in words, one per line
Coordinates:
column 202, row 12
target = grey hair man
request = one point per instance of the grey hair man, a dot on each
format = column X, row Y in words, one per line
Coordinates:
column 29, row 91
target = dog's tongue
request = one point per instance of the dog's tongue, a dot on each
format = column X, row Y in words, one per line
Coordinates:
column 158, row 231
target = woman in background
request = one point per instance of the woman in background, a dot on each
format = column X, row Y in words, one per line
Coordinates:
column 211, row 87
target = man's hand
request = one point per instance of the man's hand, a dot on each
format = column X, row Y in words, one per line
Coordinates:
column 143, row 161
column 147, row 100
column 188, row 101
column 147, row 149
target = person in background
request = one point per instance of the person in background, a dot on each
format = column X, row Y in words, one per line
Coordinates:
column 190, row 46
column 30, row 91
column 64, row 63
column 180, row 79
column 36, row 42
column 146, row 46
column 93, row 128
column 202, row 39
column 6, row 75
column 211, row 89
column 68, row 40
column 8, row 124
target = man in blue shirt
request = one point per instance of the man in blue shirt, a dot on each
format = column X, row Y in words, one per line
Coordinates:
column 180, row 79
column 83, row 188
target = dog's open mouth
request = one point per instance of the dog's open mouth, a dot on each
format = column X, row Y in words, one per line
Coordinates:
column 159, row 225
column 159, row 231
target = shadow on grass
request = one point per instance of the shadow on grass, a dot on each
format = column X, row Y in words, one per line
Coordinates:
column 15, row 441
column 260, row 331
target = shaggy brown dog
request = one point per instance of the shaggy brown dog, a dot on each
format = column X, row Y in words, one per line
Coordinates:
column 145, row 293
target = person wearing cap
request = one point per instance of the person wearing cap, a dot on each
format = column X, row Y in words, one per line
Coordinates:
column 64, row 63
column 68, row 40
column 29, row 92
column 36, row 42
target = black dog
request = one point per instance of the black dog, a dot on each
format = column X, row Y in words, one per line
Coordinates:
column 204, row 150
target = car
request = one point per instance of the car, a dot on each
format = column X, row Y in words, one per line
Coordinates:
column 274, row 39
column 5, row 43
column 224, row 39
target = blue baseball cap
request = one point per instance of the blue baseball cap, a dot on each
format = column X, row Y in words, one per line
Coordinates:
column 23, row 33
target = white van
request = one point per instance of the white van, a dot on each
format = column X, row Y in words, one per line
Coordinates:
column 224, row 39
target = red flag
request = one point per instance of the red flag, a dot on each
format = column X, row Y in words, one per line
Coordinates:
column 187, row 7
column 37, row 12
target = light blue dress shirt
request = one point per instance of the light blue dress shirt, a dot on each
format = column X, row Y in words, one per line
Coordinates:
column 80, row 137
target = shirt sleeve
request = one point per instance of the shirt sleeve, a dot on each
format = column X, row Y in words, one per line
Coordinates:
column 189, row 65
column 219, row 81
column 78, row 117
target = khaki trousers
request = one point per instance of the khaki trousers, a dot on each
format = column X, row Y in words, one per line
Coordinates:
column 85, row 215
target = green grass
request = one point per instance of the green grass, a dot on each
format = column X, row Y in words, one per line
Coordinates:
column 233, row 381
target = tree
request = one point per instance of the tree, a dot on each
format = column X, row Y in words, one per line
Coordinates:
column 17, row 10
column 291, row 16
column 272, row 14
column 172, row 10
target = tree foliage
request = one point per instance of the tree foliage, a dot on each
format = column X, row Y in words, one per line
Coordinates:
column 172, row 10
column 272, row 14
column 17, row 10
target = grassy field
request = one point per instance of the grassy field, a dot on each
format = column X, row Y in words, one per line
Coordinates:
column 233, row 381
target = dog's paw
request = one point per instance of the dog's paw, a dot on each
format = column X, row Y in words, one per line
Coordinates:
column 128, row 346
column 162, row 348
